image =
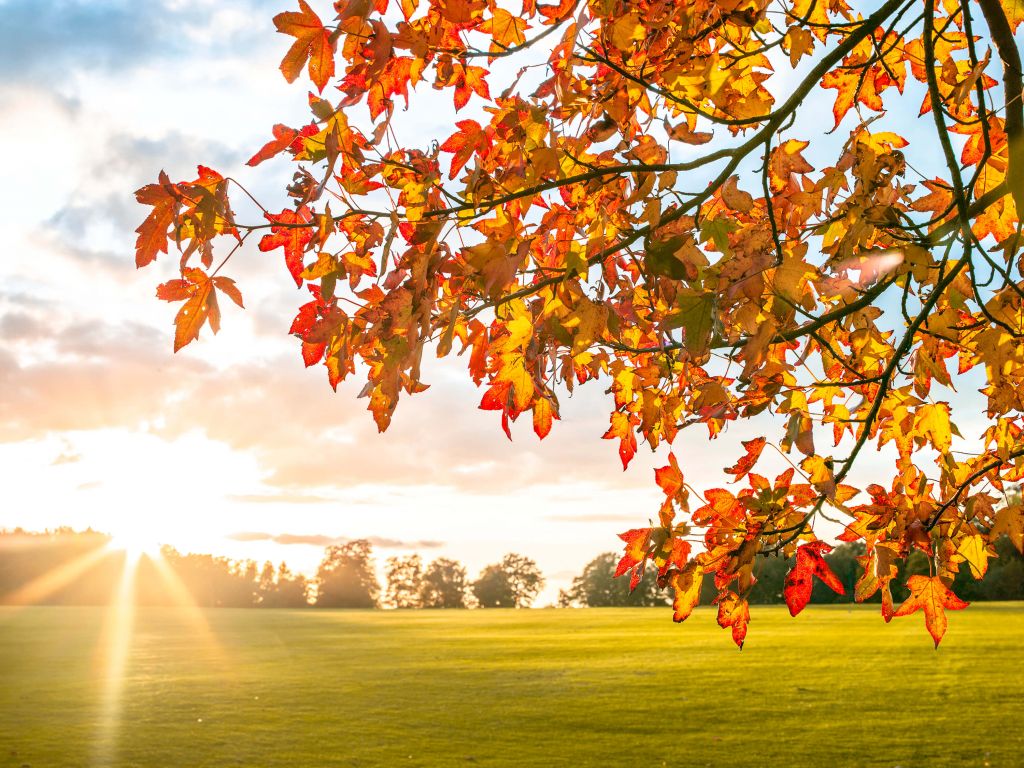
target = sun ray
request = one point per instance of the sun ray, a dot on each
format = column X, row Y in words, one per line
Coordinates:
column 115, row 647
column 52, row 581
column 183, row 600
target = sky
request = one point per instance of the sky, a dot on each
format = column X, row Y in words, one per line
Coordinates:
column 231, row 446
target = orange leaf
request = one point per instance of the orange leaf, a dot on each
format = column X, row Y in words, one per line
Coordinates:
column 686, row 584
column 543, row 413
column 637, row 541
column 153, row 231
column 746, row 463
column 622, row 428
column 670, row 478
column 929, row 594
column 312, row 44
column 734, row 612
column 283, row 137
column 291, row 237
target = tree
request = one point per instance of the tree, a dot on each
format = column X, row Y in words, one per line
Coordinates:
column 512, row 583
column 346, row 577
column 405, row 577
column 597, row 587
column 817, row 279
column 289, row 590
column 443, row 585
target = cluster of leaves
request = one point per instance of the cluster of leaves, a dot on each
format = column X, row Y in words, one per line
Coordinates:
column 577, row 232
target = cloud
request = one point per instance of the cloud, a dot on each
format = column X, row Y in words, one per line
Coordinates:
column 20, row 325
column 46, row 40
column 321, row 540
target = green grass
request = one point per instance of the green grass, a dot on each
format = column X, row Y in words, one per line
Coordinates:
column 835, row 687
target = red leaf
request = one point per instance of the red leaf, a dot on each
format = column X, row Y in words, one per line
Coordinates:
column 283, row 137
column 293, row 239
column 800, row 580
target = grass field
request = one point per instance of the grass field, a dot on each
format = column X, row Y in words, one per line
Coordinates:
column 835, row 687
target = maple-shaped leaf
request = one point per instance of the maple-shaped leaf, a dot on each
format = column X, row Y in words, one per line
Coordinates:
column 290, row 234
column 312, row 44
column 787, row 159
column 800, row 580
column 283, row 137
column 1009, row 522
column 469, row 139
column 196, row 290
column 669, row 478
column 734, row 613
column 929, row 594
column 153, row 238
column 635, row 557
column 470, row 80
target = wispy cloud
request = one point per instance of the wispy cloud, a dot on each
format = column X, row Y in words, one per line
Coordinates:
column 321, row 540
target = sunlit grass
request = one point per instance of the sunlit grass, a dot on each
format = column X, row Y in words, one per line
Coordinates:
column 117, row 634
column 834, row 687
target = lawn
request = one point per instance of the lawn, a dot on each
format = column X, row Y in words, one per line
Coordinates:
column 835, row 687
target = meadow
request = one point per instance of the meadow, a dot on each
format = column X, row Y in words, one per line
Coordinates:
column 598, row 687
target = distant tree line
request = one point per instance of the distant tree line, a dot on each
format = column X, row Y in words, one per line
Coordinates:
column 65, row 567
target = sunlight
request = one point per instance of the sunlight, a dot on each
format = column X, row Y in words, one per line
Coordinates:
column 135, row 544
column 37, row 590
column 116, row 642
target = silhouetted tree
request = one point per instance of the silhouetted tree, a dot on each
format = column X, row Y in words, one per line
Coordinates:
column 405, row 576
column 512, row 583
column 443, row 585
column 285, row 590
column 597, row 587
column 346, row 577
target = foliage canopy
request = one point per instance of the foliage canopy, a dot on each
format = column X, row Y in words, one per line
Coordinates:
column 653, row 202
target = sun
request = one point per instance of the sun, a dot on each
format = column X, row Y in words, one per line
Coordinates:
column 135, row 543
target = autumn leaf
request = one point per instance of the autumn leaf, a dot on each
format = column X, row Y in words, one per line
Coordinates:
column 543, row 414
column 800, row 580
column 636, row 215
column 787, row 159
column 470, row 80
column 746, row 463
column 734, row 614
column 152, row 238
column 289, row 233
column 635, row 557
column 929, row 594
column 621, row 429
column 312, row 44
column 686, row 584
column 283, row 137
